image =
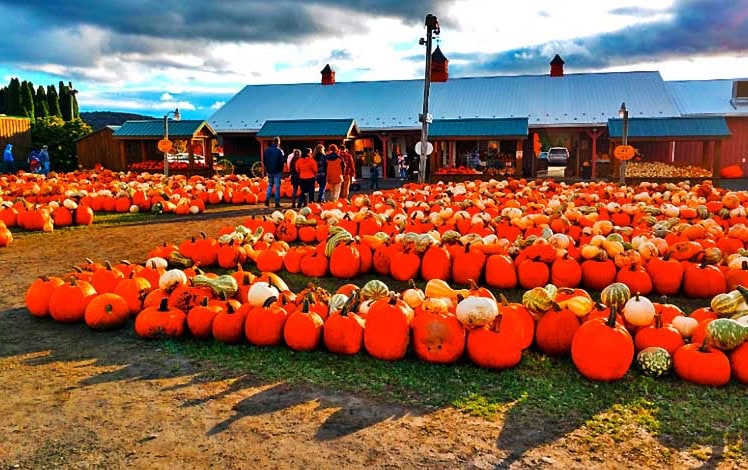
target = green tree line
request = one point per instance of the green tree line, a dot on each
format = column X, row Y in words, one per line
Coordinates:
column 20, row 98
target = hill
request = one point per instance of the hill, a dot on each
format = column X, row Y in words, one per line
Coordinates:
column 99, row 119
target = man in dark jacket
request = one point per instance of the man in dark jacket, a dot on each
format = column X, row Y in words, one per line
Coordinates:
column 273, row 160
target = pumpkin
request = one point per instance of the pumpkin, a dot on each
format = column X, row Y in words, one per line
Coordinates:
column 639, row 310
column 555, row 331
column 437, row 288
column 38, row 294
column 495, row 346
column 474, row 311
column 739, row 363
column 228, row 324
column 159, row 322
column 387, row 332
column 413, row 296
column 702, row 365
column 68, row 301
column 259, row 292
column 106, row 311
column 654, row 361
column 500, row 272
column 374, row 290
column 303, row 328
column 602, row 350
column 200, row 319
column 659, row 335
column 172, row 278
column 343, row 332
column 438, row 338
column 731, row 171
column 263, row 324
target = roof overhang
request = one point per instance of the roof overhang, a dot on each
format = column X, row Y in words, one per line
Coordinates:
column 309, row 129
column 673, row 128
column 479, row 128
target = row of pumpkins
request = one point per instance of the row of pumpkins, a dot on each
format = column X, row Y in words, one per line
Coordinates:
column 441, row 324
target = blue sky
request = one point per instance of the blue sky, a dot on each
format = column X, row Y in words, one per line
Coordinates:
column 149, row 57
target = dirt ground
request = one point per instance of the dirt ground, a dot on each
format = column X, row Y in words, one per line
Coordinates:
column 73, row 398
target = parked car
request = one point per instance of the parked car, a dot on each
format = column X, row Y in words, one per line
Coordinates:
column 558, row 156
column 543, row 156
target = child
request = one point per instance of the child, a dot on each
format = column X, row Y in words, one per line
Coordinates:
column 374, row 175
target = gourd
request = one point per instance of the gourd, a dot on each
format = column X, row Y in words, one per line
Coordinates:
column 537, row 300
column 374, row 290
column 685, row 325
column 413, row 296
column 726, row 333
column 179, row 260
column 224, row 285
column 440, row 289
column 615, row 295
column 730, row 302
column 337, row 302
column 157, row 262
column 654, row 361
column 639, row 311
column 476, row 311
column 171, row 279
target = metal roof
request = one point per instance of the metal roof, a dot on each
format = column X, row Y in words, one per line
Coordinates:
column 509, row 127
column 572, row 100
column 710, row 97
column 155, row 128
column 686, row 127
column 309, row 128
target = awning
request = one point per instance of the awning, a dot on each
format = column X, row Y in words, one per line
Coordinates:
column 677, row 128
column 154, row 129
column 503, row 127
column 310, row 128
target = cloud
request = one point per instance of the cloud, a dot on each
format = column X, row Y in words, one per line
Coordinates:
column 217, row 105
column 687, row 28
column 166, row 97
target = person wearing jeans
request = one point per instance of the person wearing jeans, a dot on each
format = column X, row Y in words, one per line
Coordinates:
column 273, row 160
column 306, row 167
column 321, row 159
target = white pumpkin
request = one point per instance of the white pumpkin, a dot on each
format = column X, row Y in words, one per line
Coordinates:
column 157, row 262
column 172, row 279
column 685, row 325
column 474, row 311
column 259, row 292
column 639, row 311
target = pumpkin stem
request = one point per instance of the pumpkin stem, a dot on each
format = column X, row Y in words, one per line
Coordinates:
column 163, row 306
column 658, row 320
column 204, row 302
column 704, row 346
column 269, row 301
column 504, row 301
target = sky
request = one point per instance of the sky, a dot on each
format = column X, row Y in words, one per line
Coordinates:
column 150, row 57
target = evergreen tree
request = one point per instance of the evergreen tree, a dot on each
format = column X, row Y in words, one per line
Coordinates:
column 14, row 104
column 53, row 101
column 27, row 99
column 3, row 97
column 41, row 109
column 74, row 93
column 65, row 107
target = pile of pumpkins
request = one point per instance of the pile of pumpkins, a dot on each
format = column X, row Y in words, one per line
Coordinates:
column 441, row 324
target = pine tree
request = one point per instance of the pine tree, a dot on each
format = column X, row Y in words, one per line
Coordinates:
column 41, row 109
column 65, row 107
column 53, row 101
column 3, row 99
column 14, row 104
column 27, row 99
column 74, row 93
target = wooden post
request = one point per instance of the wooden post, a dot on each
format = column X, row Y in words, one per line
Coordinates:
column 717, row 161
column 385, row 154
column 122, row 154
column 143, row 153
column 705, row 154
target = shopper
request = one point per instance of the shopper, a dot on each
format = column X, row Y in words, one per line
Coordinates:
column 295, row 181
column 335, row 170
column 348, row 173
column 273, row 160
column 306, row 167
column 8, row 161
column 321, row 160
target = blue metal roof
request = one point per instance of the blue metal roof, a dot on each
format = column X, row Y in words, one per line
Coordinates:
column 572, row 100
column 686, row 127
column 155, row 128
column 309, row 128
column 508, row 127
column 710, row 97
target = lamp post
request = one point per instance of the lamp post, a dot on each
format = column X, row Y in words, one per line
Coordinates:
column 432, row 28
column 177, row 117
column 624, row 114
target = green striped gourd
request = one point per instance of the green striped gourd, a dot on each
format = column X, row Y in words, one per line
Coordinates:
column 615, row 295
column 538, row 300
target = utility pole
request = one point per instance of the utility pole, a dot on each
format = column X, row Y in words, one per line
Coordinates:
column 432, row 28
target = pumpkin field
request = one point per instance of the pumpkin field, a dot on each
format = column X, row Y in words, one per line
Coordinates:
column 172, row 322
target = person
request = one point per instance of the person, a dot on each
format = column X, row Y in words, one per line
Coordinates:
column 44, row 160
column 8, row 161
column 374, row 176
column 321, row 159
column 473, row 160
column 306, row 168
column 335, row 170
column 273, row 160
column 35, row 165
column 403, row 166
column 348, row 173
column 295, row 181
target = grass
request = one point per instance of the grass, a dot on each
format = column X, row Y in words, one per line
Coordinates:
column 541, row 389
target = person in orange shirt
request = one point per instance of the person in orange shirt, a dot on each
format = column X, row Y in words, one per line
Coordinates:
column 306, row 167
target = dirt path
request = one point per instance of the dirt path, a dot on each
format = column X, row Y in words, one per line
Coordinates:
column 73, row 398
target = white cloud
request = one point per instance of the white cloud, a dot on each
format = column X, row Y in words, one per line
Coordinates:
column 217, row 105
column 167, row 97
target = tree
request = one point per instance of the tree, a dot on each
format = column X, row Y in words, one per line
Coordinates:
column 65, row 107
column 14, row 103
column 53, row 101
column 27, row 99
column 3, row 99
column 41, row 109
column 59, row 136
column 73, row 92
